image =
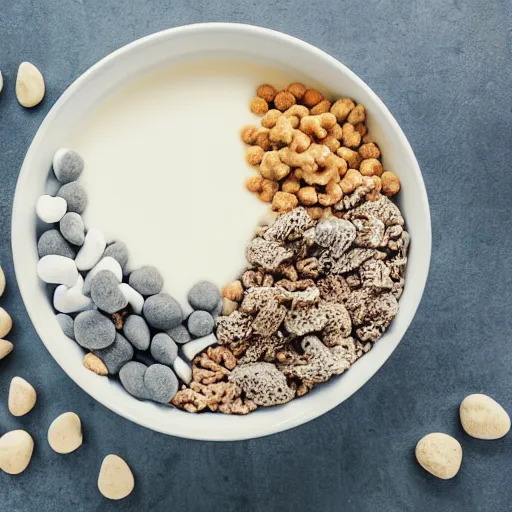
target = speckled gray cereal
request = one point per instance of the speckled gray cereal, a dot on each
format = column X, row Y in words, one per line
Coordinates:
column 66, row 324
column 162, row 311
column 75, row 196
column 163, row 349
column 146, row 280
column 204, row 296
column 105, row 292
column 115, row 356
column 131, row 376
column 67, row 165
column 161, row 383
column 179, row 334
column 93, row 330
column 52, row 242
column 119, row 252
column 72, row 228
column 200, row 323
column 137, row 332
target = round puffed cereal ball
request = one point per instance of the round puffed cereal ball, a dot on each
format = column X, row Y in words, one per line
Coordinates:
column 297, row 89
column 321, row 108
column 312, row 97
column 371, row 167
column 390, row 183
column 307, row 196
column 162, row 311
column 53, row 243
column 253, row 183
column 200, row 324
column 204, row 296
column 67, row 165
column 342, row 108
column 161, row 383
column 284, row 100
column 131, row 376
column 254, row 155
column 105, row 292
column 137, row 332
column 75, row 196
column 248, row 134
column 270, row 118
column 369, row 150
column 116, row 355
column 258, row 106
column 179, row 334
column 284, row 202
column 439, row 454
column 267, row 92
column 268, row 190
column 163, row 348
column 357, row 114
column 233, row 291
column 94, row 330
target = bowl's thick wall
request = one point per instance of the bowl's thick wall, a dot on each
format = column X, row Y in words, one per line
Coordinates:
column 166, row 49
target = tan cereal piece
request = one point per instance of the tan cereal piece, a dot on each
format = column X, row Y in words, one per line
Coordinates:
column 270, row 118
column 342, row 108
column 374, row 194
column 5, row 323
column 331, row 142
column 272, row 166
column 284, row 100
column 249, row 133
column 332, row 195
column 258, row 106
column 22, row 397
column 357, row 114
column 351, row 181
column 283, row 131
column 254, row 155
column 253, row 183
column 483, row 418
column 368, row 138
column 233, row 291
column 307, row 196
column 298, row 111
column 300, row 142
column 115, row 480
column 6, row 347
column 369, row 150
column 268, row 190
column 333, row 168
column 65, row 433
column 308, row 160
column 351, row 138
column 350, row 156
column 263, row 139
column 284, row 202
column 297, row 89
column 439, row 454
column 16, row 449
column 312, row 97
column 321, row 108
column 317, row 125
column 267, row 92
column 371, row 167
column 189, row 400
column 291, row 185
column 390, row 183
column 2, row 281
column 95, row 364
column 315, row 212
column 361, row 129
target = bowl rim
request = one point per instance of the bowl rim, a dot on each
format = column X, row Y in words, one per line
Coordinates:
column 218, row 27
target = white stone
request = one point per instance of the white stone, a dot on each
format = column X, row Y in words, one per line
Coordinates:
column 192, row 348
column 16, row 449
column 54, row 269
column 51, row 209
column 115, row 480
column 106, row 263
column 1, row 82
column 439, row 454
column 65, row 433
column 30, row 87
column 2, row 281
column 183, row 370
column 22, row 397
column 92, row 250
column 5, row 323
column 134, row 298
column 6, row 347
column 483, row 418
column 71, row 300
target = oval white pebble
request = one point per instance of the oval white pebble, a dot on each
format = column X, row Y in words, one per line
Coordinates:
column 92, row 250
column 115, row 480
column 107, row 263
column 439, row 454
column 5, row 323
column 192, row 348
column 6, row 347
column 65, row 433
column 71, row 300
column 22, row 397
column 16, row 449
column 134, row 298
column 2, row 281
column 51, row 209
column 30, row 87
column 56, row 269
column 483, row 418
column 182, row 370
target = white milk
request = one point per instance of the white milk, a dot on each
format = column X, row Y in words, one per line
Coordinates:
column 165, row 170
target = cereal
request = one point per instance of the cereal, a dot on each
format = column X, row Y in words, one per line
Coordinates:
column 267, row 92
column 312, row 97
column 390, row 183
column 258, row 106
column 297, row 89
column 284, row 100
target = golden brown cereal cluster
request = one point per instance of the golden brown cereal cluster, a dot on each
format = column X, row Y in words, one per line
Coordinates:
column 312, row 152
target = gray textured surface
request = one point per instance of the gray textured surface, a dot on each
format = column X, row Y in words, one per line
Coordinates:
column 443, row 67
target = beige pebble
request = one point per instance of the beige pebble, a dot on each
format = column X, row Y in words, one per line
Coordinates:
column 440, row 454
column 30, row 87
column 228, row 306
column 16, row 449
column 95, row 364
column 5, row 323
column 6, row 347
column 2, row 275
column 22, row 397
column 483, row 418
column 65, row 433
column 115, row 480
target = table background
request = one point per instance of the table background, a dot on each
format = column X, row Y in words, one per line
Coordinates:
column 444, row 69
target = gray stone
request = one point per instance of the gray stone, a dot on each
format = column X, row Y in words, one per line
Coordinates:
column 164, row 349
column 204, row 296
column 131, row 376
column 161, row 383
column 146, row 280
column 119, row 252
column 200, row 323
column 72, row 228
column 67, row 165
column 52, row 242
column 137, row 332
column 75, row 196
column 67, row 325
column 93, row 330
column 115, row 356
column 179, row 334
column 105, row 292
column 162, row 311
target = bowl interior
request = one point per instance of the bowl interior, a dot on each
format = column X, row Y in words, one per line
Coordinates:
column 167, row 49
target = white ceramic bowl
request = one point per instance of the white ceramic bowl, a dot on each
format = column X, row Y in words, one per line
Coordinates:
column 165, row 49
